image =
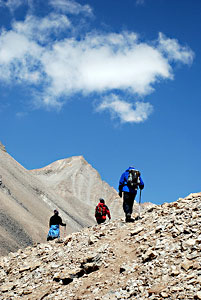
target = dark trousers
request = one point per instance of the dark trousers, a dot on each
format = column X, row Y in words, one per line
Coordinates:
column 50, row 238
column 99, row 221
column 128, row 202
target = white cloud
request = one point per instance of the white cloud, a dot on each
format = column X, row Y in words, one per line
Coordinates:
column 44, row 52
column 64, row 6
column 21, row 114
column 71, row 6
column 140, row 2
column 11, row 4
column 18, row 58
column 38, row 29
column 125, row 111
column 95, row 64
column 174, row 50
column 15, row 46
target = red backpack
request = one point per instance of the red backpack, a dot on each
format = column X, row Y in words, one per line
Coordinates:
column 99, row 211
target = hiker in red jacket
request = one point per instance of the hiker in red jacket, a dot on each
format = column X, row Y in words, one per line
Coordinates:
column 101, row 212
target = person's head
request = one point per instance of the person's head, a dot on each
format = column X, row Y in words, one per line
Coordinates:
column 56, row 212
column 102, row 200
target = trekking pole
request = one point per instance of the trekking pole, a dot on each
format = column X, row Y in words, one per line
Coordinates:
column 140, row 203
column 64, row 231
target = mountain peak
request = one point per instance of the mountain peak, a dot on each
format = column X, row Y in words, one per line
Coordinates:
column 28, row 198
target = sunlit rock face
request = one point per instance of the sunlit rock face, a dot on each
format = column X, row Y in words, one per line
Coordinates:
column 80, row 185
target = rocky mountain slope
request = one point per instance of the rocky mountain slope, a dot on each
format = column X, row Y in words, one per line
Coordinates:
column 80, row 185
column 28, row 199
column 156, row 257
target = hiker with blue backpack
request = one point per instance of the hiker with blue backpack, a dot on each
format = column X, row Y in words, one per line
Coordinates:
column 129, row 183
column 55, row 222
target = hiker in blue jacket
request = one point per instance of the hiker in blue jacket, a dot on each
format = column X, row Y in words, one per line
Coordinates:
column 54, row 223
column 129, row 183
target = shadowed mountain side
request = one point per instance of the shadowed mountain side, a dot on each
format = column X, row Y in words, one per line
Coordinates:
column 14, row 233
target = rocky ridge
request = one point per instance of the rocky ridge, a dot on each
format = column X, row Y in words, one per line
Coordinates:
column 2, row 147
column 156, row 257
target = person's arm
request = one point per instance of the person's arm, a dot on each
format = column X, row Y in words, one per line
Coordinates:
column 141, row 185
column 50, row 222
column 121, row 184
column 108, row 212
column 61, row 223
column 96, row 210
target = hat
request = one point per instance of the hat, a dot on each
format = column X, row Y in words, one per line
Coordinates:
column 56, row 211
column 102, row 200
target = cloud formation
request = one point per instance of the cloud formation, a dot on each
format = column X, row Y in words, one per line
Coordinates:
column 125, row 111
column 71, row 6
column 11, row 4
column 58, row 63
column 174, row 50
column 41, row 29
column 140, row 2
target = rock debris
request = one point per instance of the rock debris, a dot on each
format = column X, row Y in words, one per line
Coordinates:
column 156, row 257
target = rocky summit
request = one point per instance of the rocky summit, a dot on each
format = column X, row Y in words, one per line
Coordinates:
column 156, row 257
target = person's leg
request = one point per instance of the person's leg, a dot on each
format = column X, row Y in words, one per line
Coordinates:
column 131, row 202
column 128, row 205
column 125, row 202
column 99, row 221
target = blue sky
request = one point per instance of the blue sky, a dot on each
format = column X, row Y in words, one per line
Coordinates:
column 115, row 81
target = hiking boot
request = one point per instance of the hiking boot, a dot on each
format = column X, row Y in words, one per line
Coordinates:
column 128, row 217
column 131, row 220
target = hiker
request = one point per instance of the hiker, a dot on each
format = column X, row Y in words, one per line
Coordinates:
column 54, row 223
column 0, row 180
column 101, row 212
column 129, row 183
